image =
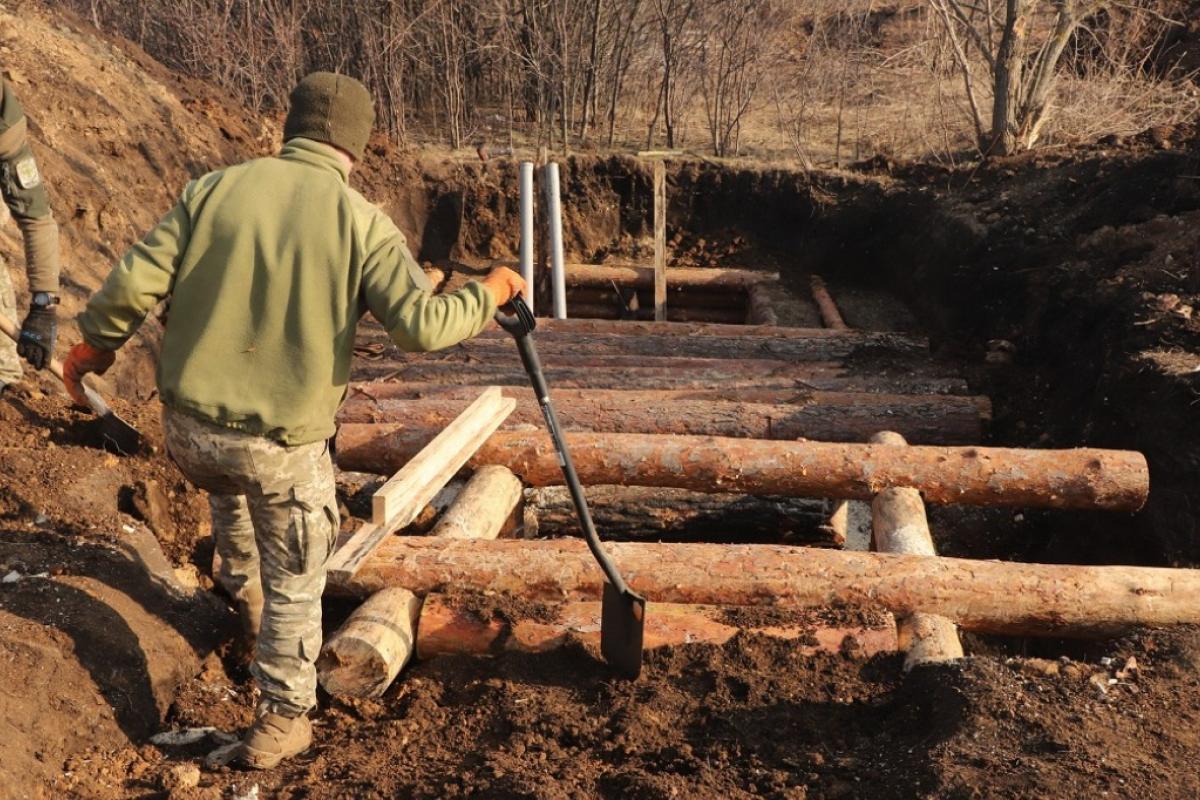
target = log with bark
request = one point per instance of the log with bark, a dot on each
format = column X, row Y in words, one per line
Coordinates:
column 834, row 346
column 817, row 376
column 454, row 626
column 645, row 513
column 925, row 419
column 1083, row 478
column 984, row 596
column 830, row 314
column 710, row 278
column 607, row 297
column 675, row 313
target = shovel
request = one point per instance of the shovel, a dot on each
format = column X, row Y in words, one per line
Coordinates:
column 623, row 613
column 119, row 434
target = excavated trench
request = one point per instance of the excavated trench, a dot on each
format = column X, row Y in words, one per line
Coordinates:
column 998, row 288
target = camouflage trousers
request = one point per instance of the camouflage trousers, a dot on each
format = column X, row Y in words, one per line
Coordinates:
column 10, row 363
column 275, row 519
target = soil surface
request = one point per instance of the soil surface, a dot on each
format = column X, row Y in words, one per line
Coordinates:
column 1066, row 283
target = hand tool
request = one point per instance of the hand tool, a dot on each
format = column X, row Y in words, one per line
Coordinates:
column 623, row 612
column 118, row 434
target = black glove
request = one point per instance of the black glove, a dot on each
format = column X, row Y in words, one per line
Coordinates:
column 39, row 334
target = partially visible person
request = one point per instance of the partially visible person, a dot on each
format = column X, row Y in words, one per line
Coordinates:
column 269, row 266
column 25, row 195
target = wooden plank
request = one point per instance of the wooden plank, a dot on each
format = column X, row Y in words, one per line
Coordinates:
column 399, row 500
column 660, row 241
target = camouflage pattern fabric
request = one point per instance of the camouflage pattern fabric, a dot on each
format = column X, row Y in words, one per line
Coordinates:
column 275, row 520
column 10, row 364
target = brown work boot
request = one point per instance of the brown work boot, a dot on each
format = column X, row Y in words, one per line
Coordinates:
column 274, row 737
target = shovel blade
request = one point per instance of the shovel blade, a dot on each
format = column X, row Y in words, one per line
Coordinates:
column 120, row 436
column 622, row 625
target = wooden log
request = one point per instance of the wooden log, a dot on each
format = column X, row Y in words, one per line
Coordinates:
column 675, row 313
column 557, row 327
column 1083, row 478
column 927, row 419
column 685, row 298
column 450, row 627
column 843, row 345
column 643, row 513
column 900, row 526
column 483, row 506
column 660, row 241
column 985, row 596
column 811, row 377
column 710, row 278
column 760, row 307
column 830, row 314
column 421, row 476
column 366, row 654
column 380, row 391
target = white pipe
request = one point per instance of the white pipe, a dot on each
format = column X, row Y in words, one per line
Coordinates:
column 526, row 179
column 558, row 278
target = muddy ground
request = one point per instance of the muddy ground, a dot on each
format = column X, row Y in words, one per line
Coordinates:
column 1087, row 263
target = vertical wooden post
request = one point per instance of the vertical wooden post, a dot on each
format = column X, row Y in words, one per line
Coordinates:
column 660, row 241
column 900, row 526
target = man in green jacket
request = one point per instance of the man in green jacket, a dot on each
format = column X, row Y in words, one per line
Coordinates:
column 269, row 266
column 25, row 195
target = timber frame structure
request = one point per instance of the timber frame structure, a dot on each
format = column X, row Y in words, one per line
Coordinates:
column 733, row 465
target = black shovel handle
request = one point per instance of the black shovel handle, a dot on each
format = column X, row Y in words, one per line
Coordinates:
column 521, row 324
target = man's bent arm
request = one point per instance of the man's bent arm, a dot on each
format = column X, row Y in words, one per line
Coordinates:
column 137, row 283
column 416, row 319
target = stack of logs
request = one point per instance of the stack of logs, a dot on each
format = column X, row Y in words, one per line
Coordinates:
column 710, row 451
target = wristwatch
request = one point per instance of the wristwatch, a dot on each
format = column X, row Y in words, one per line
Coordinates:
column 44, row 299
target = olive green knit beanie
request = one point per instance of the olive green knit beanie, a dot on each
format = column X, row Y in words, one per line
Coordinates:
column 330, row 108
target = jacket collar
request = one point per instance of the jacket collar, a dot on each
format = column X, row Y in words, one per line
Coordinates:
column 317, row 154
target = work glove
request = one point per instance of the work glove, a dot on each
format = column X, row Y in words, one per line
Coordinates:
column 504, row 284
column 83, row 359
column 39, row 333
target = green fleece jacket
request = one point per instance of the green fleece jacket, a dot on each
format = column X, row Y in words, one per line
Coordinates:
column 269, row 266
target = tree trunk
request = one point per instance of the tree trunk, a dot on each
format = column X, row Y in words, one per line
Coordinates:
column 929, row 419
column 641, row 513
column 1007, row 80
column 1084, row 478
column 985, row 596
column 451, row 626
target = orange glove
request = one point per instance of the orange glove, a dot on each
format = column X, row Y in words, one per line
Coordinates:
column 83, row 359
column 504, row 284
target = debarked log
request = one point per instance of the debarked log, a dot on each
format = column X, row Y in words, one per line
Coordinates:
column 924, row 419
column 646, row 513
column 1083, row 478
column 985, row 596
column 366, row 654
column 450, row 627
